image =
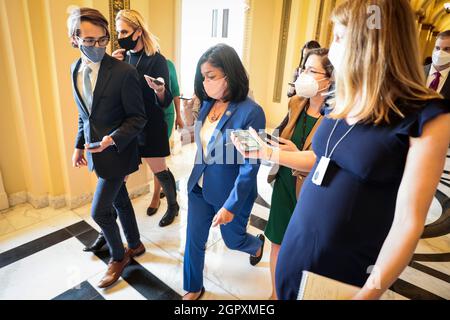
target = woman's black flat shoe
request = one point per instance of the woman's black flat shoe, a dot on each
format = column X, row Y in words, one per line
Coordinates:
column 151, row 211
column 255, row 260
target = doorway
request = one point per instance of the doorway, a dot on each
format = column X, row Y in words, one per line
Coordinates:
column 204, row 24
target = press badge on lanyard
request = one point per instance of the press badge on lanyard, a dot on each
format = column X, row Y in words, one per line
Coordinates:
column 321, row 169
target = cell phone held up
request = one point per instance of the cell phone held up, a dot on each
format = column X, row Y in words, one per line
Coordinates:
column 268, row 137
column 155, row 81
column 94, row 145
column 246, row 140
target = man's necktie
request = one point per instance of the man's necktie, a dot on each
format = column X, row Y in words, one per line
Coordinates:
column 87, row 88
column 435, row 83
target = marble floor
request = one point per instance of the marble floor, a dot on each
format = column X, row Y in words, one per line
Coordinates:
column 41, row 253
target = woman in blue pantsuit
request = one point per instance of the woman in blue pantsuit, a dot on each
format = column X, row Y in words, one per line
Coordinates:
column 222, row 185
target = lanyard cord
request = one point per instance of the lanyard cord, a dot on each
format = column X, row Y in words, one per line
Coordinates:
column 129, row 59
column 329, row 138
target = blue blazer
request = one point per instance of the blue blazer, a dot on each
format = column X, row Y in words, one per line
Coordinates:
column 229, row 180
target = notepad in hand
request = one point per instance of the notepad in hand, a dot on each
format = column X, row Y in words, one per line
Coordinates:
column 317, row 287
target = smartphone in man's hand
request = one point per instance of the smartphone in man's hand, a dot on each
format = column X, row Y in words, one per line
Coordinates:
column 94, row 145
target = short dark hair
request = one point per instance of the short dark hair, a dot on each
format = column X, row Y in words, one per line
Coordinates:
column 79, row 15
column 444, row 34
column 323, row 54
column 312, row 44
column 224, row 57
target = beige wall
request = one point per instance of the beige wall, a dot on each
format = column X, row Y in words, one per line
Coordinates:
column 38, row 117
column 10, row 155
column 265, row 30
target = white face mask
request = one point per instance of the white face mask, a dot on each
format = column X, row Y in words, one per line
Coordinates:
column 336, row 55
column 307, row 86
column 215, row 88
column 441, row 58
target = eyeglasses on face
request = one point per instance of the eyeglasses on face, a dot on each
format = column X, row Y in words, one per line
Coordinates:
column 311, row 72
column 90, row 42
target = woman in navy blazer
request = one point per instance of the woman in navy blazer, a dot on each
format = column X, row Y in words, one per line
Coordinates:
column 222, row 185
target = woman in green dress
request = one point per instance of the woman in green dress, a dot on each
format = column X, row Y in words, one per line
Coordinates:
column 174, row 108
column 296, row 133
column 169, row 118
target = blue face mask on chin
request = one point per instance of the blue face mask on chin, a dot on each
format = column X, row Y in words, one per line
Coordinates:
column 94, row 54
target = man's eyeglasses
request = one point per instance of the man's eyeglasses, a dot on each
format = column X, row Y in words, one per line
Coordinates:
column 90, row 42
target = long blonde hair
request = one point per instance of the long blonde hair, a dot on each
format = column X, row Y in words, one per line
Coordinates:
column 381, row 64
column 136, row 21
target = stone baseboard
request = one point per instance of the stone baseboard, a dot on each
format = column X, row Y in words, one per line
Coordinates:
column 57, row 202
column 79, row 201
column 17, row 198
column 61, row 201
column 4, row 202
column 38, row 202
column 139, row 191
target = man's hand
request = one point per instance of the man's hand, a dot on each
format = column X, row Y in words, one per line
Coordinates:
column 78, row 159
column 222, row 217
column 106, row 142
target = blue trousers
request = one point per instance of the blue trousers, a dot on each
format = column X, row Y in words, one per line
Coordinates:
column 234, row 234
column 113, row 192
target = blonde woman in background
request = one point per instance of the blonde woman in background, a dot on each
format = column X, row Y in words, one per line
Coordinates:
column 141, row 49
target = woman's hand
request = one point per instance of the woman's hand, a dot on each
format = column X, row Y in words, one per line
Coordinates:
column 105, row 143
column 158, row 88
column 362, row 295
column 263, row 153
column 222, row 217
column 179, row 124
column 285, row 145
column 119, row 54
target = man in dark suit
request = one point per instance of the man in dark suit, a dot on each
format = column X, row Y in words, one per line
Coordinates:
column 111, row 114
column 437, row 72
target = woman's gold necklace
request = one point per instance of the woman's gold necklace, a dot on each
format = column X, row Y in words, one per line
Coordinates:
column 215, row 116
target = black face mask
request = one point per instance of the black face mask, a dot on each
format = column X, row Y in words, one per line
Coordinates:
column 128, row 43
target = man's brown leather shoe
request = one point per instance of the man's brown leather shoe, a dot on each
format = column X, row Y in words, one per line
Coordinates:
column 140, row 250
column 115, row 269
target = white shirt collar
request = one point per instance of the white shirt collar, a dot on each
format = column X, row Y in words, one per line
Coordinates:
column 443, row 73
column 95, row 66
